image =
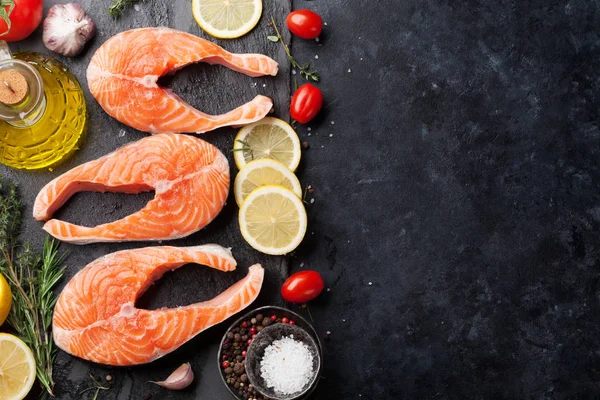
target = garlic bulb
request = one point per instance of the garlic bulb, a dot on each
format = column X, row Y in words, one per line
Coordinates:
column 179, row 379
column 67, row 28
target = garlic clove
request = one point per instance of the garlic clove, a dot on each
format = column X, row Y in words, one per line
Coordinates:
column 67, row 28
column 181, row 378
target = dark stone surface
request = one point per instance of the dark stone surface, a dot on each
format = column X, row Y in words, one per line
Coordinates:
column 457, row 203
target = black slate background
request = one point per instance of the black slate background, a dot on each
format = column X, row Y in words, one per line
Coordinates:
column 456, row 198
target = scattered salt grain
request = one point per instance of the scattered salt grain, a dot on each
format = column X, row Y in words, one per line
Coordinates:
column 370, row 283
column 264, row 85
column 349, row 70
column 293, row 72
column 317, row 40
column 317, row 57
column 312, row 201
column 329, row 289
column 137, row 7
column 328, row 332
column 309, row 134
column 332, row 122
column 309, row 129
column 121, row 133
column 287, row 366
column 361, row 59
column 331, row 135
column 343, row 320
column 325, row 23
column 301, row 265
column 309, row 187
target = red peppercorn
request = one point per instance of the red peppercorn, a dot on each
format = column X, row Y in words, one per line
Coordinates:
column 249, row 341
column 244, row 353
column 225, row 357
column 253, row 330
column 225, row 364
column 245, row 324
column 253, row 336
column 273, row 317
column 292, row 322
column 284, row 320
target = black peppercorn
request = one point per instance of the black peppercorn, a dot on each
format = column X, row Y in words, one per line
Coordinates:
column 266, row 321
column 237, row 337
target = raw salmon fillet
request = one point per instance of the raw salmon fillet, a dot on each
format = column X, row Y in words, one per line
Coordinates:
column 123, row 75
column 190, row 178
column 95, row 317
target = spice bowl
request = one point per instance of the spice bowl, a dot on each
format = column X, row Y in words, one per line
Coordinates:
column 275, row 338
column 238, row 338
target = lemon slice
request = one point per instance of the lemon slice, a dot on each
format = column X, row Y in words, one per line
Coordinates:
column 17, row 368
column 273, row 220
column 268, row 138
column 227, row 19
column 264, row 172
column 5, row 299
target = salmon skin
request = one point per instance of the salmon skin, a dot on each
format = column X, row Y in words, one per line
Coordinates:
column 190, row 178
column 95, row 317
column 123, row 74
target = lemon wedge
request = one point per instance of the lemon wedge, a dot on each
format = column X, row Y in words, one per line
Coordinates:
column 264, row 172
column 268, row 138
column 273, row 220
column 5, row 299
column 17, row 368
column 227, row 19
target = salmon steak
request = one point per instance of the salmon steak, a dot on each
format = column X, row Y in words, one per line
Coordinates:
column 124, row 71
column 189, row 176
column 95, row 317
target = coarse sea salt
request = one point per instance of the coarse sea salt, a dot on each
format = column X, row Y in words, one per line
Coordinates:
column 287, row 366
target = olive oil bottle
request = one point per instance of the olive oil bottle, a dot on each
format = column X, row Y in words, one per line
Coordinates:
column 43, row 115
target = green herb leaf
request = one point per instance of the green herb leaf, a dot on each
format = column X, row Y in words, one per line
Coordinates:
column 273, row 39
column 305, row 68
column 119, row 6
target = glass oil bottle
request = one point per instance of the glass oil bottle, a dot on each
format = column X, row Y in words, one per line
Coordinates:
column 43, row 115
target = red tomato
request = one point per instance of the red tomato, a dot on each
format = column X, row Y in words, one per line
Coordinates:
column 302, row 287
column 306, row 103
column 24, row 19
column 305, row 24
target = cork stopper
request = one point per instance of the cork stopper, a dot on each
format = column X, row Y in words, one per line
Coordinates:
column 13, row 87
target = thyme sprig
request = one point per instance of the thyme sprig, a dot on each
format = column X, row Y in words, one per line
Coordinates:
column 119, row 6
column 31, row 278
column 305, row 71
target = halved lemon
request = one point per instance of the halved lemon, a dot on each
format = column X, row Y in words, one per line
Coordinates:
column 273, row 220
column 268, row 138
column 264, row 172
column 5, row 299
column 17, row 368
column 227, row 19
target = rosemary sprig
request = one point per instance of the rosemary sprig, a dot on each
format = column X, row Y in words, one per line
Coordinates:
column 97, row 387
column 245, row 147
column 304, row 68
column 31, row 278
column 117, row 8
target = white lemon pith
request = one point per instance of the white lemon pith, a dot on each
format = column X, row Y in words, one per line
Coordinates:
column 273, row 220
column 227, row 19
column 264, row 172
column 268, row 138
column 17, row 368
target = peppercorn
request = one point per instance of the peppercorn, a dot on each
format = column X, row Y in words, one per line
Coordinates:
column 228, row 371
column 253, row 321
column 292, row 322
column 249, row 342
column 244, row 378
column 253, row 330
column 230, row 335
column 259, row 328
column 244, row 353
column 266, row 322
column 243, row 330
column 225, row 364
column 305, row 145
column 244, row 324
column 273, row 317
column 239, row 358
column 253, row 336
column 284, row 320
column 244, row 338
column 236, row 385
column 237, row 337
column 236, row 352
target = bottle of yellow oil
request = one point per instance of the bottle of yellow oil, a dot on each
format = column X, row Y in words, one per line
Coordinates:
column 43, row 115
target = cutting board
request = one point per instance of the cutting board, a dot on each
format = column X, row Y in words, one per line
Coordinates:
column 212, row 89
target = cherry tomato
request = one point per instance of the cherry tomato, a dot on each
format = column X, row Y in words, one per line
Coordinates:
column 306, row 103
column 302, row 287
column 24, row 19
column 305, row 24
